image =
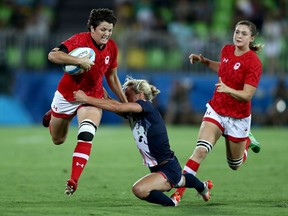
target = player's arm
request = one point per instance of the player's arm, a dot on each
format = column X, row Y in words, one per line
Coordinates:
column 107, row 96
column 107, row 104
column 115, row 85
column 243, row 95
column 59, row 55
column 213, row 65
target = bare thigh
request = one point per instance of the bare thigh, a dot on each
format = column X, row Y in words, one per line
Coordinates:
column 208, row 132
column 152, row 181
column 59, row 129
column 89, row 112
column 60, row 126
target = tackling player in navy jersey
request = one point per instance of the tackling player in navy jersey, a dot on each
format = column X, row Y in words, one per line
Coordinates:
column 151, row 137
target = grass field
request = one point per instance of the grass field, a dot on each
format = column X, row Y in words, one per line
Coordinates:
column 34, row 172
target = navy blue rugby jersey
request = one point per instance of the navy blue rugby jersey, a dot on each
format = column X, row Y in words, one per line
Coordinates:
column 150, row 134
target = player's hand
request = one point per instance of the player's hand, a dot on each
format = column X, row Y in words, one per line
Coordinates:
column 196, row 58
column 80, row 96
column 86, row 63
column 221, row 87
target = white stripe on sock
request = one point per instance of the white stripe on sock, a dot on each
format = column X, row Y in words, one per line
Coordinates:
column 189, row 170
column 81, row 155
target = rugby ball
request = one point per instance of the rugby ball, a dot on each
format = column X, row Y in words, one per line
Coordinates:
column 79, row 52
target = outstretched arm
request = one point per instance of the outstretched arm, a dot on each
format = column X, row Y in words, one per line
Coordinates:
column 115, row 85
column 107, row 104
column 213, row 65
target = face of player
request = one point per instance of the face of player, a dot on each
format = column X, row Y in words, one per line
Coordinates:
column 102, row 33
column 242, row 37
column 131, row 95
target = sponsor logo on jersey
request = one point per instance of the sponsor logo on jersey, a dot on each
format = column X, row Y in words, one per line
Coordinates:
column 236, row 66
column 107, row 58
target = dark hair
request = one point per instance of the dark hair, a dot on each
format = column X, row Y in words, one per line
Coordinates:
column 100, row 15
column 254, row 33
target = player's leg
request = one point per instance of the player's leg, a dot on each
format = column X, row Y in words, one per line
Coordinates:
column 88, row 119
column 59, row 117
column 151, row 187
column 58, row 126
column 236, row 153
column 162, row 178
column 208, row 135
column 59, row 129
column 236, row 135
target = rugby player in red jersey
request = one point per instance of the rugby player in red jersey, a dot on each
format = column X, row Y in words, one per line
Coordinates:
column 228, row 113
column 63, row 108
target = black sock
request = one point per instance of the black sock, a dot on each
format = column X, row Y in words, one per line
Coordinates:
column 159, row 197
column 193, row 182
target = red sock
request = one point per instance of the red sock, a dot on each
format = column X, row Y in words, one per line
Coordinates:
column 80, row 157
column 190, row 167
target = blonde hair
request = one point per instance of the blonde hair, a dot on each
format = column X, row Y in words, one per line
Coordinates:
column 254, row 33
column 141, row 85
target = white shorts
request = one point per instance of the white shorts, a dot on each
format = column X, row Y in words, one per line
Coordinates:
column 236, row 130
column 62, row 108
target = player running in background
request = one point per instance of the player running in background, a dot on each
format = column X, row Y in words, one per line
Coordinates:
column 228, row 113
column 63, row 108
column 151, row 137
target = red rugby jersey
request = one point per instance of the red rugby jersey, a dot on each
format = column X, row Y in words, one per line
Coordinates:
column 90, row 81
column 235, row 71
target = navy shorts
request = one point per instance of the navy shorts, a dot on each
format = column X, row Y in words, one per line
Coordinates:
column 171, row 169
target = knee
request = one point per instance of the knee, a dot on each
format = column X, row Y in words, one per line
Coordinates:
column 139, row 191
column 58, row 141
column 87, row 130
column 200, row 153
column 203, row 147
column 235, row 164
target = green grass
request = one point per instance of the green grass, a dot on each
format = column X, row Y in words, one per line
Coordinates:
column 34, row 172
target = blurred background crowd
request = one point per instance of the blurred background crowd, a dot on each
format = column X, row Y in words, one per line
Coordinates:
column 155, row 38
